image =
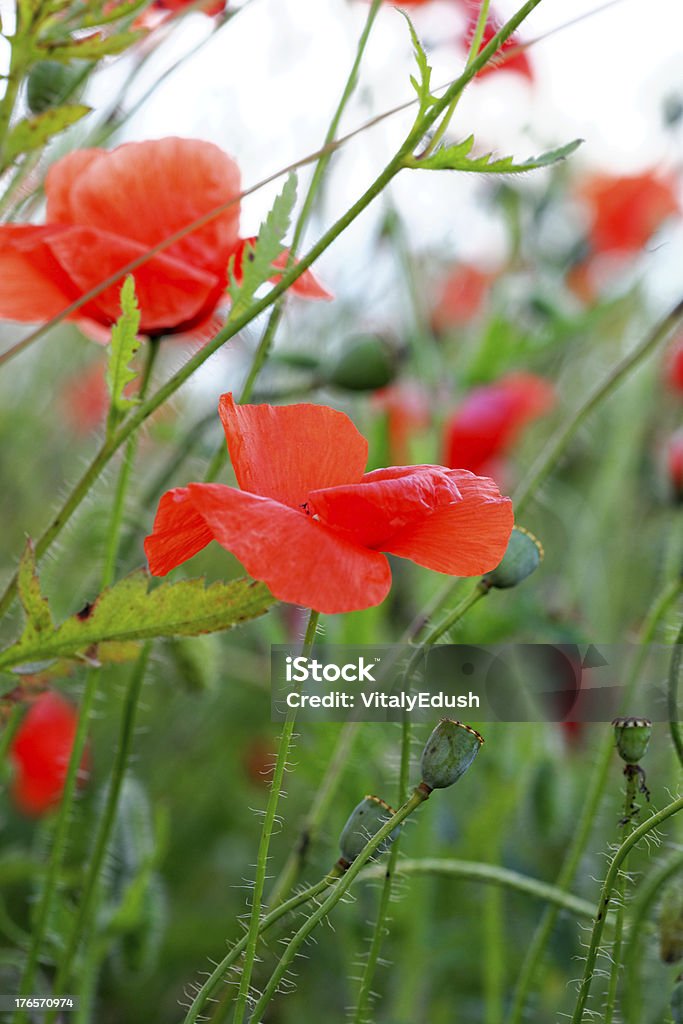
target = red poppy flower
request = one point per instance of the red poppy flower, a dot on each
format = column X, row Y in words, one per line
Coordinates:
column 460, row 297
column 312, row 525
column 491, row 417
column 406, row 404
column 105, row 209
column 626, row 211
column 503, row 60
column 674, row 364
column 40, row 751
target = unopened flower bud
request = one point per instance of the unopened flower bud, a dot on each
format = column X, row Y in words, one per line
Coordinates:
column 364, row 822
column 523, row 556
column 632, row 736
column 367, row 363
column 448, row 753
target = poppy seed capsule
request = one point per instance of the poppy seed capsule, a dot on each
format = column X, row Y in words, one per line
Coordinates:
column 367, row 363
column 448, row 753
column 677, row 1003
column 632, row 736
column 523, row 556
column 363, row 823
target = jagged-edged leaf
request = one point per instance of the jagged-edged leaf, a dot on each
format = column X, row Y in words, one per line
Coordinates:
column 91, row 47
column 124, row 344
column 129, row 610
column 33, row 132
column 457, row 158
column 258, row 259
column 423, row 86
column 38, row 617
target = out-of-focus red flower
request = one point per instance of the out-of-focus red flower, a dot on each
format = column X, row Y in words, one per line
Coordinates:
column 491, row 417
column 460, row 297
column 312, row 525
column 506, row 59
column 85, row 399
column 105, row 209
column 626, row 211
column 160, row 11
column 674, row 462
column 573, row 733
column 674, row 364
column 40, row 752
column 406, row 404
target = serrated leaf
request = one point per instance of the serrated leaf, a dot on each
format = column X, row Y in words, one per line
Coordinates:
column 38, row 618
column 124, row 344
column 456, row 158
column 33, row 132
column 423, row 86
column 92, row 47
column 257, row 260
column 130, row 611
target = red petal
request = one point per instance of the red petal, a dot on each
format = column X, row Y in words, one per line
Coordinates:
column 307, row 285
column 466, row 538
column 384, row 503
column 41, row 750
column 628, row 210
column 146, row 191
column 284, row 452
column 300, row 560
column 171, row 294
column 179, row 532
column 33, row 286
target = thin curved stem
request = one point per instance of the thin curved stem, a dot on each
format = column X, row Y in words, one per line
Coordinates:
column 255, row 921
column 619, row 897
column 606, row 894
column 674, row 681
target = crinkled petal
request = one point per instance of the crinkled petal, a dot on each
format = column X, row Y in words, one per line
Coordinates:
column 299, row 559
column 285, row 452
column 33, row 286
column 466, row 538
column 382, row 505
column 171, row 293
column 146, row 191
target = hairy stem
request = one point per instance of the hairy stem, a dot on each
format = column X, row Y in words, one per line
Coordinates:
column 619, row 897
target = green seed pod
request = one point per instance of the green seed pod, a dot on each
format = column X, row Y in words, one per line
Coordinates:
column 364, row 821
column 367, row 363
column 632, row 736
column 677, row 1003
column 523, row 556
column 49, row 84
column 448, row 753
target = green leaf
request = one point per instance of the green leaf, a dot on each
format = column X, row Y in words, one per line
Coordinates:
column 124, row 344
column 130, row 611
column 33, row 132
column 457, row 158
column 423, row 86
column 38, row 618
column 257, row 260
column 92, row 47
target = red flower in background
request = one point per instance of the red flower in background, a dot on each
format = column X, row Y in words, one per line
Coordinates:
column 491, row 417
column 312, row 525
column 626, row 211
column 41, row 750
column 460, row 297
column 505, row 59
column 674, row 364
column 105, row 209
column 407, row 408
column 674, row 462
column 160, row 11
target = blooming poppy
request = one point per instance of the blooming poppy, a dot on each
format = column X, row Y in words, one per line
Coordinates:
column 460, row 297
column 491, row 417
column 505, row 59
column 41, row 750
column 626, row 211
column 312, row 525
column 107, row 208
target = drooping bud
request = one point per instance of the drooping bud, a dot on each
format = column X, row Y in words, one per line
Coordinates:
column 367, row 363
column 365, row 820
column 523, row 556
column 448, row 753
column 632, row 736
